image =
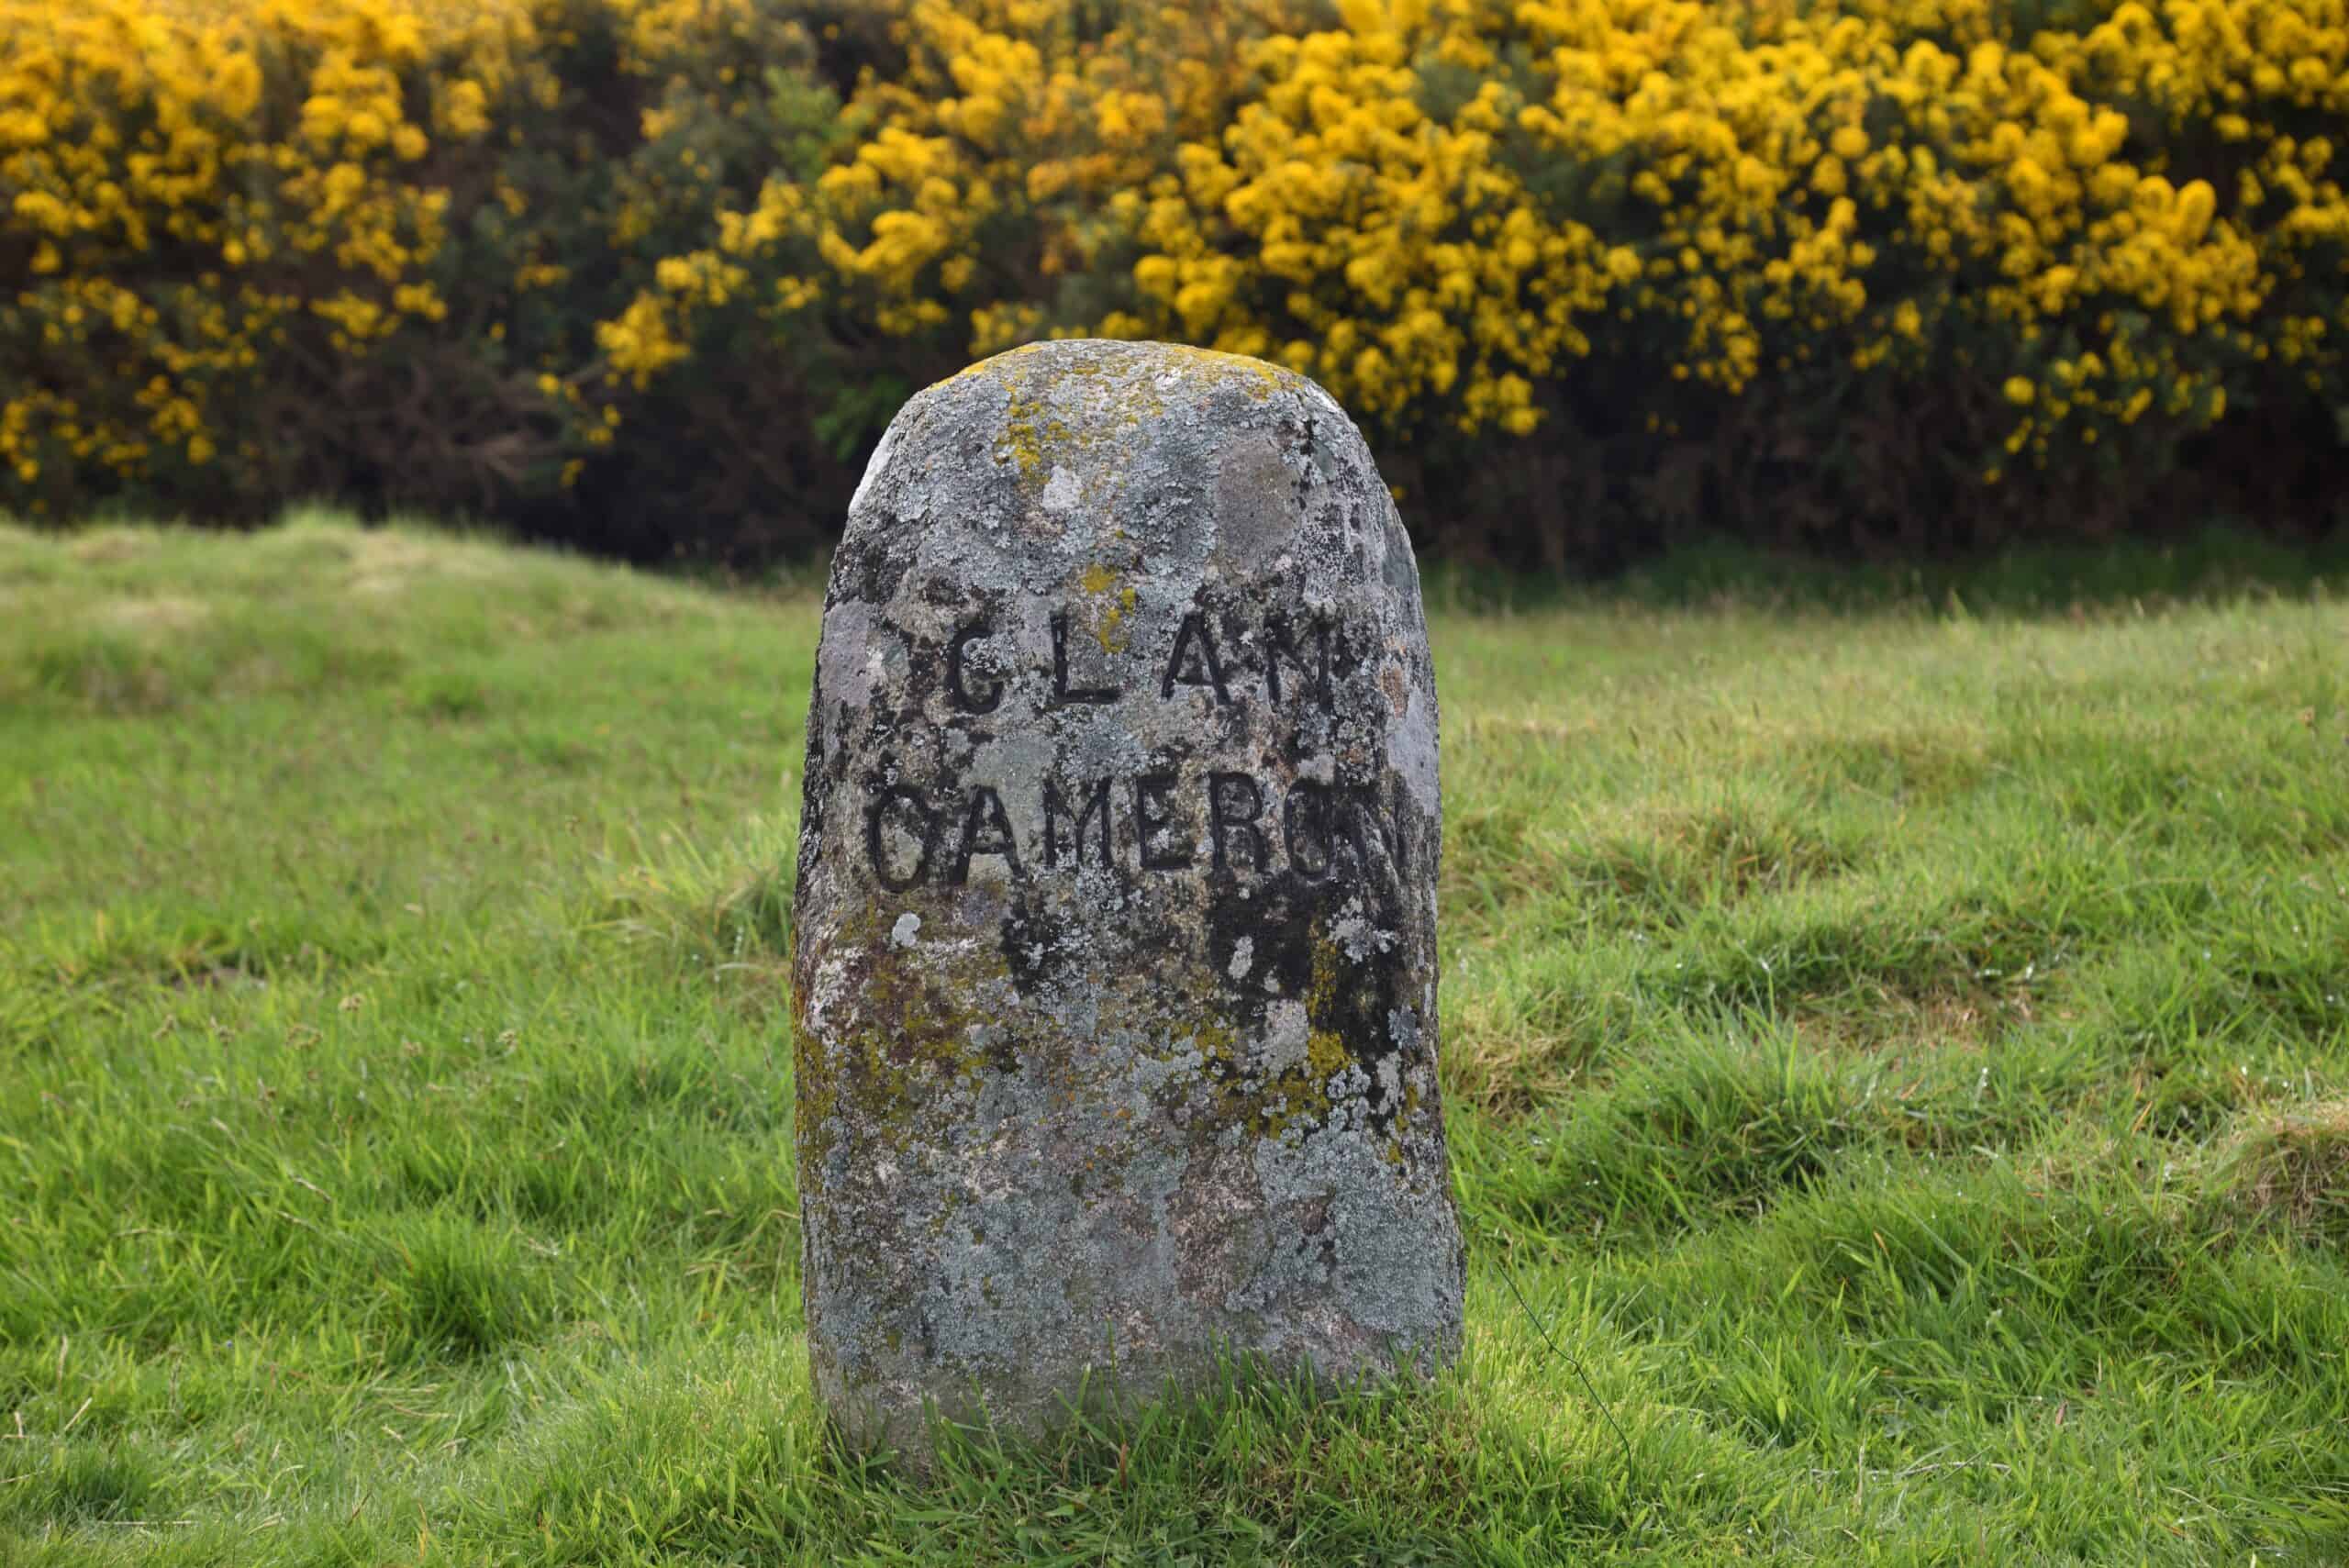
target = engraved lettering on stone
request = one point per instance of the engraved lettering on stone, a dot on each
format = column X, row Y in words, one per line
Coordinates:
column 1094, row 815
column 1193, row 662
column 1062, row 694
column 1281, row 643
column 1155, row 822
column 1305, row 828
column 878, row 823
column 986, row 830
column 1235, row 801
column 988, row 697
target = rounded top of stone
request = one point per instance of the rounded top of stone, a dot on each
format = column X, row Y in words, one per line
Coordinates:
column 1087, row 397
column 1068, row 460
column 1022, row 368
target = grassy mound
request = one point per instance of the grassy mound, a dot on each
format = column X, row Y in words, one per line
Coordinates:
column 1899, row 1057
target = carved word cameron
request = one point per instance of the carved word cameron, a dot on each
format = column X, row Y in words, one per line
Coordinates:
column 1224, row 822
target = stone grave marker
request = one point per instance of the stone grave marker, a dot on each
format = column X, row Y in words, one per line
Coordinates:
column 1115, row 973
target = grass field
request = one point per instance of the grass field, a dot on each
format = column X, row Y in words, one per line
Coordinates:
column 1902, row 1058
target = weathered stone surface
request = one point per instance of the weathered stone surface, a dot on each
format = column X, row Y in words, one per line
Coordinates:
column 1116, row 964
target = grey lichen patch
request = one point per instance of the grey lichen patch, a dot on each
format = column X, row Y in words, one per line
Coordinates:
column 1116, row 978
column 1065, row 399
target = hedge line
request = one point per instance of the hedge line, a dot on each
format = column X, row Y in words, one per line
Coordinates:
column 649, row 275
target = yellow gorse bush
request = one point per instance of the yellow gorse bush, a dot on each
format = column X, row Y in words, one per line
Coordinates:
column 1762, row 187
column 145, row 184
column 1681, row 220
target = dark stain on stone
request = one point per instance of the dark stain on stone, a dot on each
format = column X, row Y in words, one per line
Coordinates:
column 1035, row 942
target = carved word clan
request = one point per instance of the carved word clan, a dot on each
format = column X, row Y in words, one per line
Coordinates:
column 1294, row 664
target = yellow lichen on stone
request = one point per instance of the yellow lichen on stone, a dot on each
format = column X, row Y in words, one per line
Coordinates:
column 1326, row 1054
column 1218, row 1041
column 1324, row 1048
column 1019, row 434
column 1100, row 582
column 1260, row 378
column 1113, row 638
column 1035, row 434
